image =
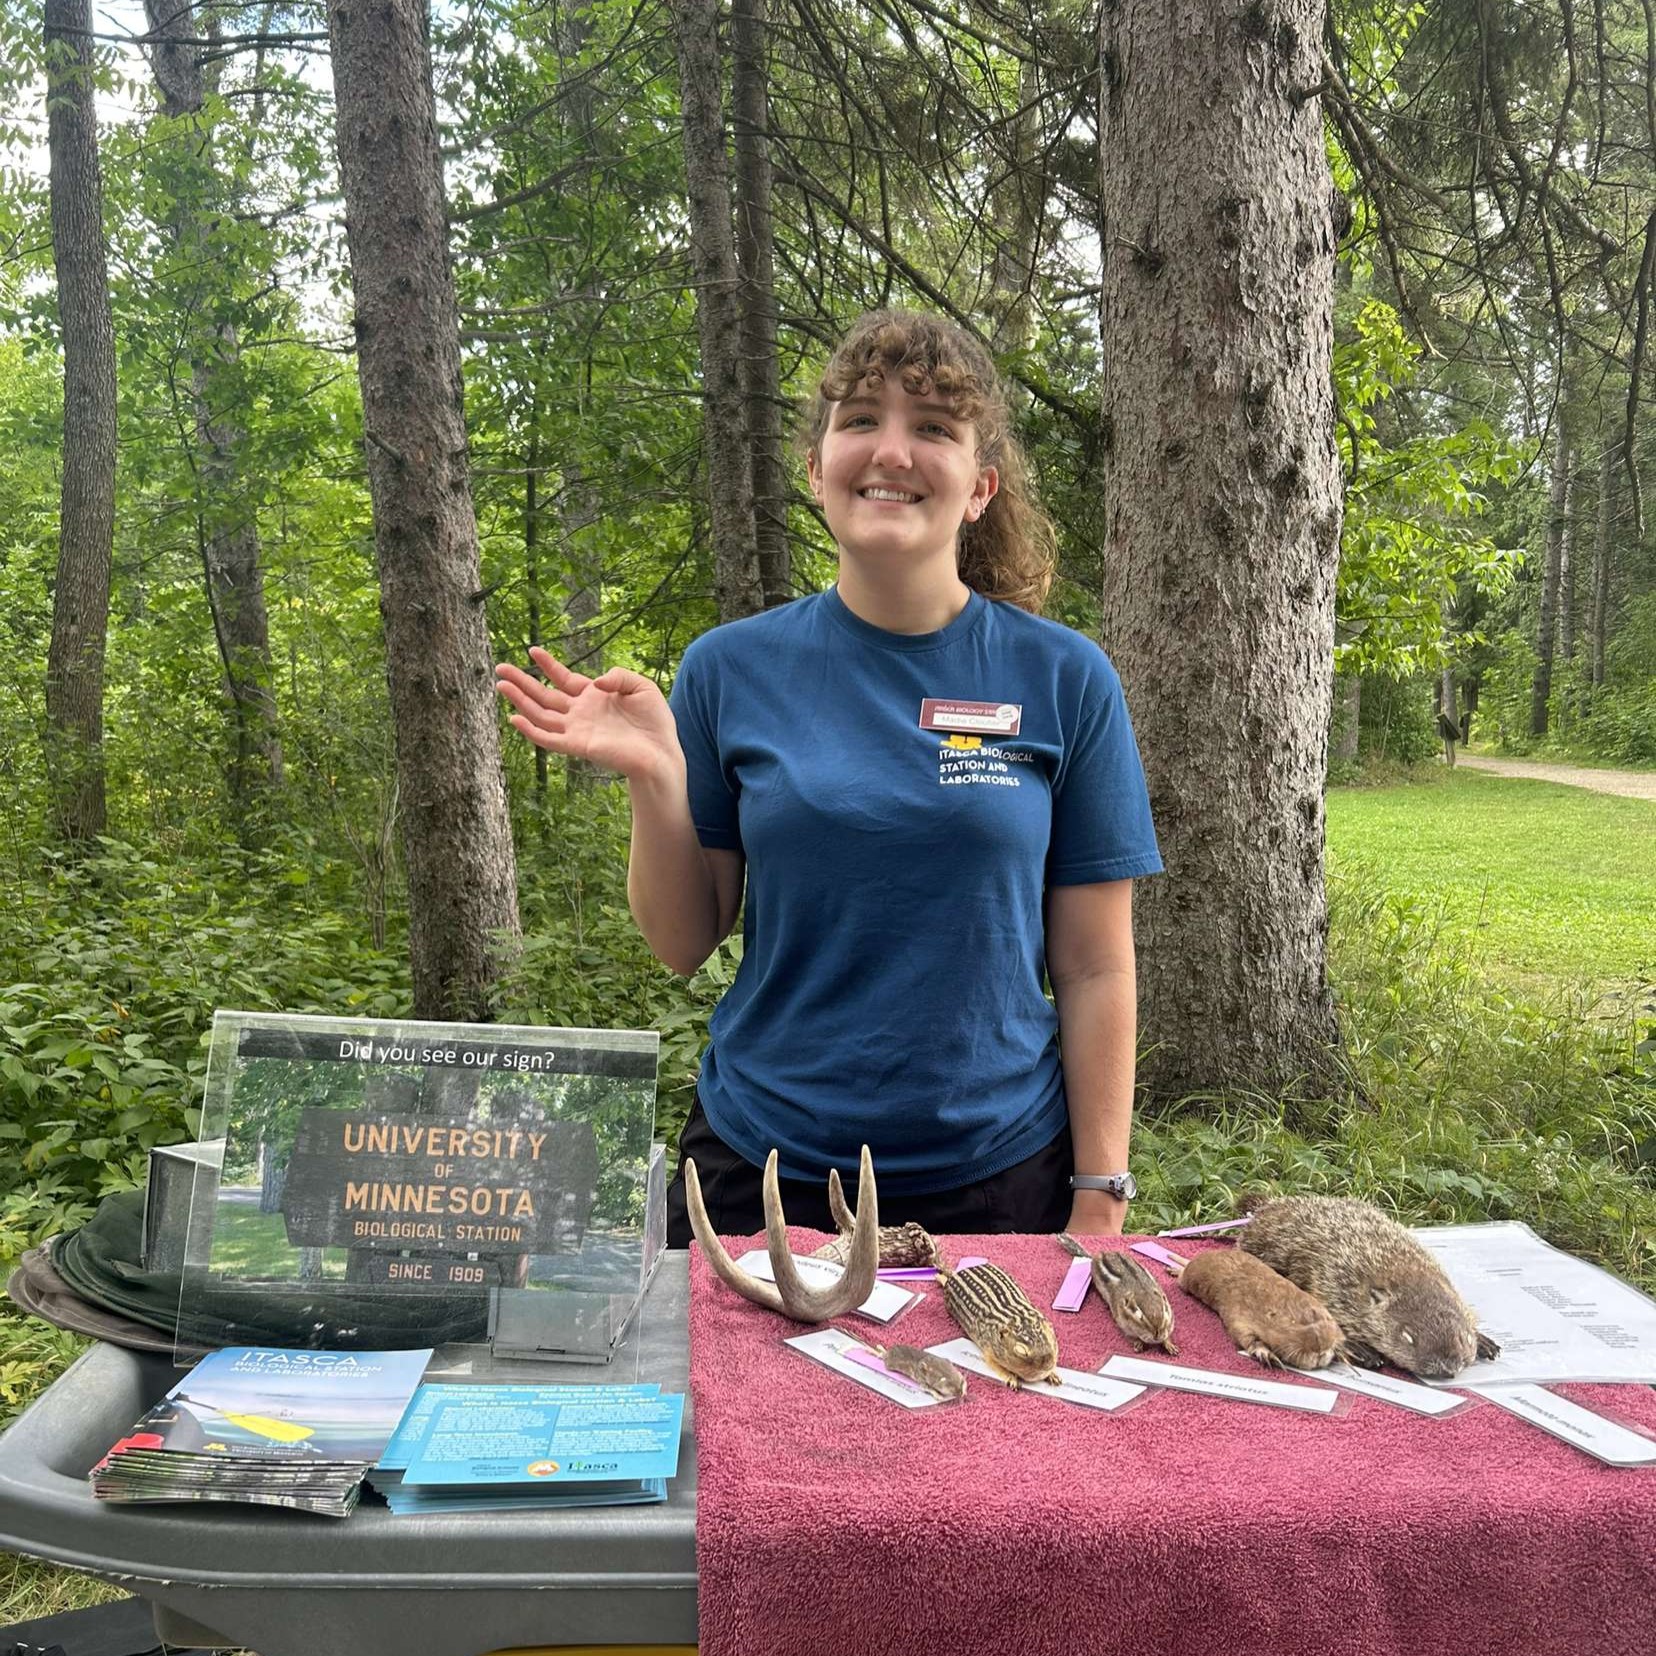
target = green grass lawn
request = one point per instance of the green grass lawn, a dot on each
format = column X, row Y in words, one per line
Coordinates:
column 1549, row 887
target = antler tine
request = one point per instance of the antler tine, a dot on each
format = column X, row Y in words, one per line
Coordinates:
column 724, row 1267
column 862, row 1260
column 843, row 1219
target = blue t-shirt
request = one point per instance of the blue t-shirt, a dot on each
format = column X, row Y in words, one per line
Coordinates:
column 903, row 802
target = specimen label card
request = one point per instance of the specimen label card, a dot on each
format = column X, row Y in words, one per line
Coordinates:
column 1406, row 1394
column 1240, row 1388
column 834, row 1350
column 882, row 1305
column 1090, row 1391
column 1603, row 1439
column 1073, row 1290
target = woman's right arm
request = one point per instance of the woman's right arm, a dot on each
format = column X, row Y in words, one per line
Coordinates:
column 684, row 898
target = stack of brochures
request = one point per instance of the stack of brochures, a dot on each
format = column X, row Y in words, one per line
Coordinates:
column 498, row 1447
column 275, row 1428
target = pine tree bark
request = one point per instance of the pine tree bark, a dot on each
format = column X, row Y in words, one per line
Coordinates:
column 736, row 583
column 462, row 879
column 1609, row 471
column 1547, row 625
column 1567, row 577
column 756, row 262
column 1223, row 522
column 1016, row 208
column 86, row 522
column 232, row 565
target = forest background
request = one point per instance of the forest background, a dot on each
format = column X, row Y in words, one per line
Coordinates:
column 217, row 791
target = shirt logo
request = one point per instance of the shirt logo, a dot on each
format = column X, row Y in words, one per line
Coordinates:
column 986, row 718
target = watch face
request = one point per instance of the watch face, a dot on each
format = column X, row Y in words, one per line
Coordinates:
column 1128, row 1187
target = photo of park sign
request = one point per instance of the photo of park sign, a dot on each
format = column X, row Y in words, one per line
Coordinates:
column 368, row 1156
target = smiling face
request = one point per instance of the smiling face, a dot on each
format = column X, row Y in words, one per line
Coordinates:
column 897, row 474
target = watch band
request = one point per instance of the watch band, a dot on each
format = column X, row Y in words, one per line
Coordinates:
column 1122, row 1185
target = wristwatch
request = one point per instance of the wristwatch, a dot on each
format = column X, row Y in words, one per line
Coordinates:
column 1122, row 1185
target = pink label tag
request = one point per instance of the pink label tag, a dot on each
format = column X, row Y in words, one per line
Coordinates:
column 974, row 1259
column 1074, row 1288
column 1155, row 1251
column 1204, row 1230
column 976, row 718
column 864, row 1358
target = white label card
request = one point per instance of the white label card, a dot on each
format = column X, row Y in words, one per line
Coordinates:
column 1240, row 1388
column 828, row 1346
column 1603, row 1439
column 1406, row 1394
column 1090, row 1391
column 887, row 1300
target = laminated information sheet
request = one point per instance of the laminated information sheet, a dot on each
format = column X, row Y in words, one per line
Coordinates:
column 1555, row 1316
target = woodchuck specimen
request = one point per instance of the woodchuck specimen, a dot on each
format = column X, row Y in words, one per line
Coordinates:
column 1270, row 1319
column 1390, row 1297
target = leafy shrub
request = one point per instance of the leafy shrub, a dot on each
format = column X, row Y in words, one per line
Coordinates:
column 1395, row 721
column 114, row 965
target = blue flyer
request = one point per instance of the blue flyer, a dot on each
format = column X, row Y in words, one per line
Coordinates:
column 495, row 1435
column 415, row 1426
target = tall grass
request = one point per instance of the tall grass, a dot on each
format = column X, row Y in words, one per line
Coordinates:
column 1467, row 1102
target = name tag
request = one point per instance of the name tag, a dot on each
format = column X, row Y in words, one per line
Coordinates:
column 983, row 718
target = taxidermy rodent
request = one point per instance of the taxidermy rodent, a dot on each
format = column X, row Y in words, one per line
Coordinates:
column 1390, row 1297
column 1270, row 1319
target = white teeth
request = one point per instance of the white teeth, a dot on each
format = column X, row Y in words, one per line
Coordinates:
column 889, row 494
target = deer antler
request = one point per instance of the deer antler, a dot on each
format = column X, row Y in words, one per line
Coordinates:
column 788, row 1294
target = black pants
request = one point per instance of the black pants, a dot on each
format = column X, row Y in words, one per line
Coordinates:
column 1033, row 1195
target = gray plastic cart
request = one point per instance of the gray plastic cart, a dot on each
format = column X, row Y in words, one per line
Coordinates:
column 285, row 1584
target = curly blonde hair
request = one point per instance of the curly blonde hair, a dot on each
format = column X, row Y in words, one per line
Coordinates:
column 1010, row 552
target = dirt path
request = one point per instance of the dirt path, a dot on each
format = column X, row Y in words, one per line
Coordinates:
column 1629, row 784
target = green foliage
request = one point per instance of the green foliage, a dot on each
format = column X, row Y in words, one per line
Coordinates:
column 1395, row 722
column 1467, row 1102
column 1409, row 544
column 113, row 965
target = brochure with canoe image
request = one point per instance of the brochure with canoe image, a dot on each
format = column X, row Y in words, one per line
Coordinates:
column 504, row 1446
column 267, row 1426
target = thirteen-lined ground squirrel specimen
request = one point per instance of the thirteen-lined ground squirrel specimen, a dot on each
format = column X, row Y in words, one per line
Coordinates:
column 1390, row 1297
column 1270, row 1319
column 1017, row 1342
column 1134, row 1298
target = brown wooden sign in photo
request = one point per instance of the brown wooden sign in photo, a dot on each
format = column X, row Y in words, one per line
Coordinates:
column 422, row 1184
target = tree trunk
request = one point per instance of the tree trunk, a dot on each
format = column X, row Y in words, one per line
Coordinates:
column 86, row 523
column 1015, row 211
column 230, row 553
column 582, row 644
column 1609, row 470
column 718, row 314
column 1223, row 522
column 462, row 879
column 1567, row 577
column 1546, row 634
column 756, row 261
column 532, row 578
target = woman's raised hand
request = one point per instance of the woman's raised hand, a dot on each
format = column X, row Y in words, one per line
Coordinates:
column 619, row 720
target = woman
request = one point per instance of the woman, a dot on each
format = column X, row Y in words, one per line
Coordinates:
column 932, row 795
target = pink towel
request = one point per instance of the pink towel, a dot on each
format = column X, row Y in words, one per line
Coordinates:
column 829, row 1520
